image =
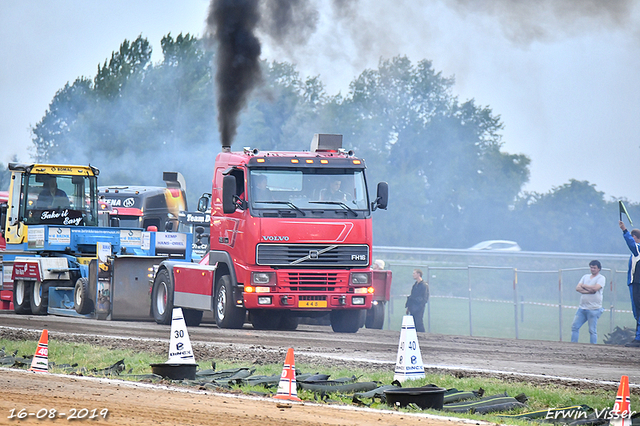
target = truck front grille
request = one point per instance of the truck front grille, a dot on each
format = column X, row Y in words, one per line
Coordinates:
column 305, row 255
column 314, row 281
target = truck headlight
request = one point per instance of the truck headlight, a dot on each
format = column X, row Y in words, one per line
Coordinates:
column 360, row 277
column 264, row 300
column 357, row 300
column 263, row 278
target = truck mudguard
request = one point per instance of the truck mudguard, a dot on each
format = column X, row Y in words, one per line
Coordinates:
column 193, row 284
column 223, row 258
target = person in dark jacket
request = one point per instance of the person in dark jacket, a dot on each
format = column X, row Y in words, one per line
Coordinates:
column 417, row 300
column 51, row 196
column 633, row 277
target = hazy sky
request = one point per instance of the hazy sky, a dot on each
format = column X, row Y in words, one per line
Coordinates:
column 563, row 75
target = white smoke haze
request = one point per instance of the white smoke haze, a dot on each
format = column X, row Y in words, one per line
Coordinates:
column 561, row 74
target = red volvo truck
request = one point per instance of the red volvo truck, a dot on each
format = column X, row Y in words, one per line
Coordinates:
column 290, row 237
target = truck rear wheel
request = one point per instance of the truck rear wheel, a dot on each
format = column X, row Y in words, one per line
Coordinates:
column 82, row 302
column 21, row 295
column 347, row 321
column 375, row 316
column 162, row 298
column 39, row 298
column 228, row 315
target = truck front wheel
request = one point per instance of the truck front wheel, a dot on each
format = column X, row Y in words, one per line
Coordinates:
column 228, row 315
column 21, row 294
column 39, row 298
column 82, row 302
column 347, row 321
column 162, row 298
column 375, row 316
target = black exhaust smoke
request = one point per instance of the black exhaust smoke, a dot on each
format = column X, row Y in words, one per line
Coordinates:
column 232, row 24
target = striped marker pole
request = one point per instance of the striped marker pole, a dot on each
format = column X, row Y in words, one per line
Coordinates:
column 409, row 364
column 40, row 361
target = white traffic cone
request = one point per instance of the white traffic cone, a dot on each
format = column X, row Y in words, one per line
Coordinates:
column 409, row 361
column 287, row 387
column 40, row 361
column 180, row 351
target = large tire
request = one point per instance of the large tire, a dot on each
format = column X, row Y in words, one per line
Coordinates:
column 21, row 297
column 192, row 317
column 39, row 298
column 82, row 301
column 288, row 322
column 228, row 315
column 375, row 316
column 265, row 319
column 162, row 298
column 347, row 321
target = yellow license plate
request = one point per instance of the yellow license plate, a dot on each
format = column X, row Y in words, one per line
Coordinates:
column 312, row 304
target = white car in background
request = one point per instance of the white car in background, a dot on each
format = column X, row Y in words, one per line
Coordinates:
column 497, row 245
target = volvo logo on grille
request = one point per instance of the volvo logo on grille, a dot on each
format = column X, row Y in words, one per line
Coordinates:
column 313, row 254
column 275, row 237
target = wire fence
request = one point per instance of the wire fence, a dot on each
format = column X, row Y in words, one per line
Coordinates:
column 503, row 301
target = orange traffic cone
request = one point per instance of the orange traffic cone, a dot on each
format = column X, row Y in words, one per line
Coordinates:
column 40, row 361
column 621, row 413
column 287, row 386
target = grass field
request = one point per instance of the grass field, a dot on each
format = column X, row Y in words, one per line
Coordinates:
column 541, row 397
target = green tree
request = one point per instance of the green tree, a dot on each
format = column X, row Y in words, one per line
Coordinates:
column 135, row 113
column 443, row 159
column 573, row 217
column 284, row 112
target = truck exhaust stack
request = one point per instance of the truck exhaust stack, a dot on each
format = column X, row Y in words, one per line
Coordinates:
column 324, row 142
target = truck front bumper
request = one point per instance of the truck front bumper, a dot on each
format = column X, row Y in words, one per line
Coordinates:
column 307, row 302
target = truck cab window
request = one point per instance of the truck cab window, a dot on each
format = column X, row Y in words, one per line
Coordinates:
column 308, row 191
column 60, row 200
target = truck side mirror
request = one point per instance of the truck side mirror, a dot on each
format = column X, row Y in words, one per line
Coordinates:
column 168, row 226
column 228, row 193
column 382, row 197
column 203, row 204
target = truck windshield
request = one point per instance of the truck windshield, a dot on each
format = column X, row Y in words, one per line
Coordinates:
column 60, row 200
column 309, row 191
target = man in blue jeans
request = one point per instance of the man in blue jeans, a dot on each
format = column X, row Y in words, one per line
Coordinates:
column 590, row 309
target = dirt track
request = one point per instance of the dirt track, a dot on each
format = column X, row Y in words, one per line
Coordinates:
column 531, row 361
column 134, row 404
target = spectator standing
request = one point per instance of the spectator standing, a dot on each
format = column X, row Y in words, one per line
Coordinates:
column 378, row 265
column 417, row 300
column 590, row 309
